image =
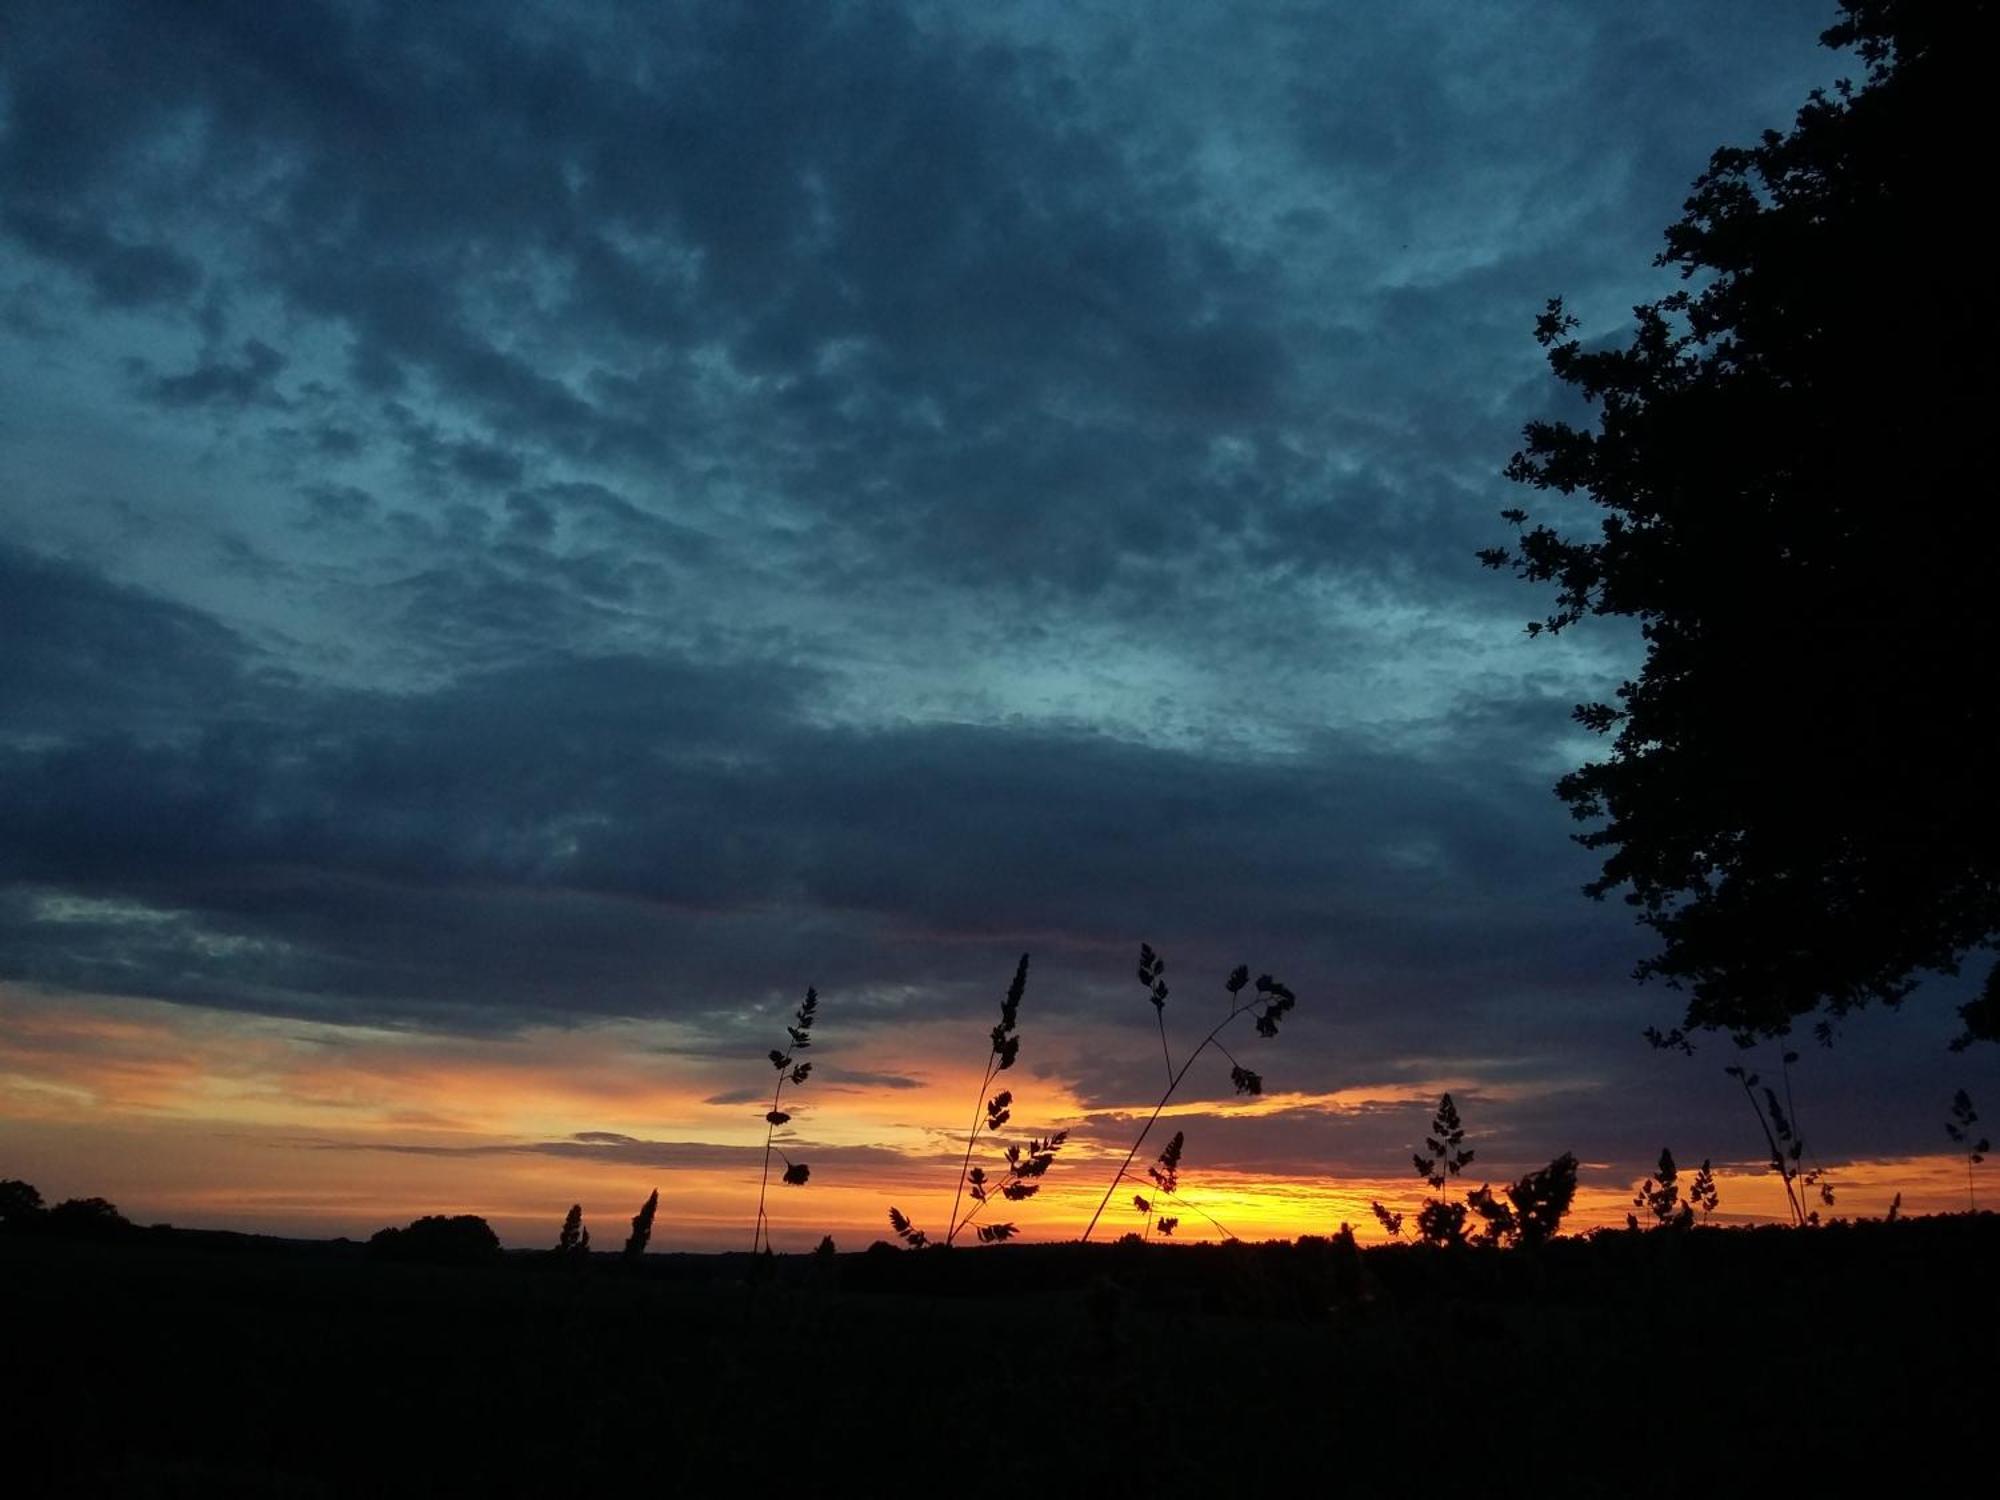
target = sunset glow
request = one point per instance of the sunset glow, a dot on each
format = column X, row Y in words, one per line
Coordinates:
column 213, row 1119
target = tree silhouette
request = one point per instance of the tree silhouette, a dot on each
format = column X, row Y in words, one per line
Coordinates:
column 20, row 1205
column 438, row 1239
column 1534, row 1206
column 1799, row 797
column 87, row 1218
column 642, row 1226
column 574, row 1240
column 1542, row 1198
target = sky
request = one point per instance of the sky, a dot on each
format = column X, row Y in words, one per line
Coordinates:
column 530, row 535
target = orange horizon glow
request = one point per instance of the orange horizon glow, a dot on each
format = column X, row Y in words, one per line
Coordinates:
column 212, row 1119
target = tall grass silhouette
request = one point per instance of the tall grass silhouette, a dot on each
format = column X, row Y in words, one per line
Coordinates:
column 794, row 1073
column 1006, row 1048
column 1704, row 1195
column 1526, row 1212
column 1660, row 1197
column 1270, row 999
column 1166, row 1175
column 1959, row 1129
column 1662, row 1200
column 1439, row 1220
column 1166, row 1193
column 1800, row 1174
column 1020, row 1179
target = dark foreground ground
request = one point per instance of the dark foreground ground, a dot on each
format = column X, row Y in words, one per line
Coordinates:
column 179, row 1364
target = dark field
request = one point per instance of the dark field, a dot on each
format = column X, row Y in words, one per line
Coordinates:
column 180, row 1364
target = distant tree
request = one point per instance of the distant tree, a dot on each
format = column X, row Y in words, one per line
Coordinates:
column 574, row 1240
column 438, row 1239
column 1533, row 1208
column 20, row 1205
column 1799, row 797
column 1441, row 1222
column 1959, row 1129
column 86, row 1218
column 1542, row 1199
column 642, row 1226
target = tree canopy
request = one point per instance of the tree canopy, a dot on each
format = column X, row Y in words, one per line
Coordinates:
column 1789, row 455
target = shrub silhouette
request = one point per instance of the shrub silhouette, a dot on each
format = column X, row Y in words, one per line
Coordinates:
column 795, row 1073
column 1959, row 1129
column 574, row 1240
column 20, row 1206
column 1271, row 999
column 642, row 1226
column 438, row 1239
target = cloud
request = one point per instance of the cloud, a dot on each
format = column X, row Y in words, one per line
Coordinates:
column 283, row 829
column 247, row 380
column 606, row 1148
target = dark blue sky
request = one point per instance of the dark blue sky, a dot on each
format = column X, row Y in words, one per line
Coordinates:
column 520, row 515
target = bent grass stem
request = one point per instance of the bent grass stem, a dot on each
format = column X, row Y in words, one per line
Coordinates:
column 1237, row 1008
